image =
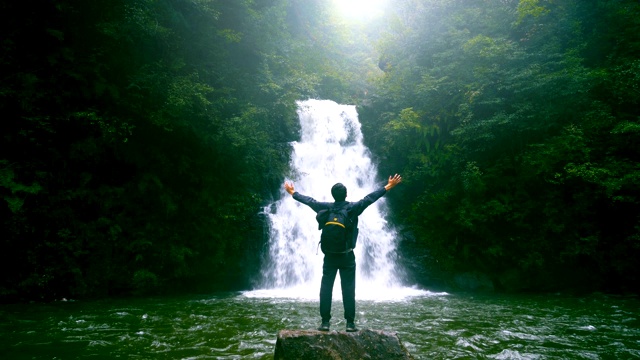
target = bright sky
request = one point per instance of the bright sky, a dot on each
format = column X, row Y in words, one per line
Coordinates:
column 360, row 9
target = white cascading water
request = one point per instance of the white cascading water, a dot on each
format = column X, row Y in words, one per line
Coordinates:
column 330, row 150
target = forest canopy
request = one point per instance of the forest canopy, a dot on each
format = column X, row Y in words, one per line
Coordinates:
column 142, row 138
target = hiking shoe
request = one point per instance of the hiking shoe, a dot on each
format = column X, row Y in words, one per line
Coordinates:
column 351, row 327
column 324, row 326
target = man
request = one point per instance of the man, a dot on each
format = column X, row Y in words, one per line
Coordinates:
column 343, row 262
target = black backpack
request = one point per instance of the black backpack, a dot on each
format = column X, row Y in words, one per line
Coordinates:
column 337, row 231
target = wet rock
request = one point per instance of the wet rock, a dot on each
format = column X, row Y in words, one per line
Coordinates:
column 333, row 345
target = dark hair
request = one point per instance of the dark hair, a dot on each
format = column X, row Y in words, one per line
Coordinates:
column 339, row 192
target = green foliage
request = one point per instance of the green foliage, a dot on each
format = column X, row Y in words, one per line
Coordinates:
column 14, row 192
column 531, row 8
column 142, row 138
column 534, row 118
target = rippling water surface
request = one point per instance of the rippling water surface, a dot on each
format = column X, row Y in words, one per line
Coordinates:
column 242, row 326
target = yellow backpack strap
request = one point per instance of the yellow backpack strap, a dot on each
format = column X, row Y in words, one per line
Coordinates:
column 335, row 223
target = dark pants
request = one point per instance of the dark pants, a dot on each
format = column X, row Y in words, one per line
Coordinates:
column 346, row 264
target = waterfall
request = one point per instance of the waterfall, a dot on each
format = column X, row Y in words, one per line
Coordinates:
column 330, row 150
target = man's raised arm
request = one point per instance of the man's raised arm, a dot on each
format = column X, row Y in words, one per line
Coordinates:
column 288, row 186
column 361, row 205
column 393, row 181
column 307, row 200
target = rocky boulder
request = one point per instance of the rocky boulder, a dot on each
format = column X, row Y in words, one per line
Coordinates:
column 333, row 345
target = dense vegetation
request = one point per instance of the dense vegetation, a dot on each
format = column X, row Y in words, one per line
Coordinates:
column 142, row 137
column 516, row 124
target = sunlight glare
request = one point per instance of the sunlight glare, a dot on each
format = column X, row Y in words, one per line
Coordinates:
column 360, row 9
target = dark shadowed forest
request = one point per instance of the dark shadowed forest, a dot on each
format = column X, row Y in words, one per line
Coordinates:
column 141, row 139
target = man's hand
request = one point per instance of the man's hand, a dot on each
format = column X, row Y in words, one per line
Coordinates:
column 289, row 187
column 393, row 181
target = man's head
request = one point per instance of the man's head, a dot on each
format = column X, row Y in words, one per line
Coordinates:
column 339, row 192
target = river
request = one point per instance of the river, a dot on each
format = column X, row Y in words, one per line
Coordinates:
column 245, row 326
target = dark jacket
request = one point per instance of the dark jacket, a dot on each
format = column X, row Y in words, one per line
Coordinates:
column 354, row 209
